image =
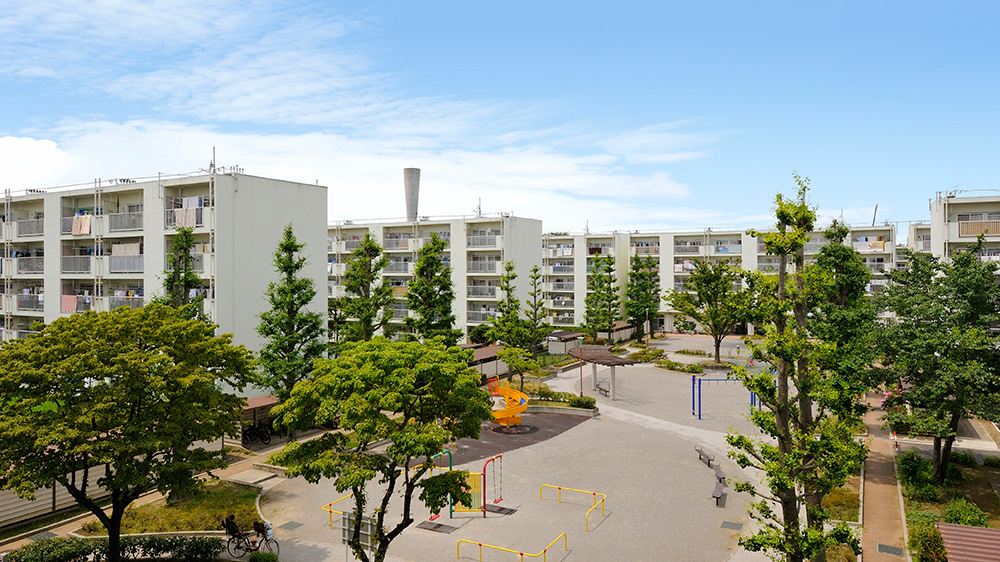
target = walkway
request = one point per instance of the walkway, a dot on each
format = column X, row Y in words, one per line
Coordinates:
column 883, row 523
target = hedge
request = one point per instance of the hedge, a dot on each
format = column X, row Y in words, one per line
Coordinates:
column 62, row 549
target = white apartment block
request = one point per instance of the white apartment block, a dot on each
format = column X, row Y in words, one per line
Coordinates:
column 78, row 248
column 956, row 222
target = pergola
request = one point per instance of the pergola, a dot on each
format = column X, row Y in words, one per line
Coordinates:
column 600, row 355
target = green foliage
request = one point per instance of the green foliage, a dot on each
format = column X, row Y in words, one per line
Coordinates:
column 962, row 512
column 913, row 468
column 508, row 326
column 419, row 396
column 715, row 298
column 603, row 307
column 134, row 389
column 926, row 544
column 430, row 295
column 60, row 549
column 57, row 549
column 263, row 557
column 617, row 349
column 294, row 333
column 916, row 517
column 646, row 355
column 518, row 363
column 179, row 277
column 576, row 401
column 642, row 293
column 695, row 352
column 541, row 392
column 480, row 334
column 962, row 458
column 680, row 367
column 923, row 491
column 535, row 311
column 991, row 462
column 367, row 307
column 842, row 504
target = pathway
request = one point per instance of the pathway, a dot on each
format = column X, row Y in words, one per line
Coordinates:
column 883, row 538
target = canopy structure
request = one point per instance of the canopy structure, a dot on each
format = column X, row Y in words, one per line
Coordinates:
column 969, row 544
column 600, row 355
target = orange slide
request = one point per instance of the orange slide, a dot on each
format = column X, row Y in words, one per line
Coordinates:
column 517, row 403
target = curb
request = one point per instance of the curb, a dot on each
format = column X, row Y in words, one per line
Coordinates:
column 582, row 412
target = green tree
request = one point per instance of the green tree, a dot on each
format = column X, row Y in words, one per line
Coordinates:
column 128, row 390
column 180, row 278
column 535, row 311
column 480, row 333
column 430, row 295
column 642, row 293
column 518, row 363
column 941, row 354
column 400, row 391
column 294, row 333
column 508, row 326
column 368, row 304
column 715, row 298
column 603, row 305
column 809, row 448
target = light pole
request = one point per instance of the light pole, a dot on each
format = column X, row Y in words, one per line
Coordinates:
column 580, row 339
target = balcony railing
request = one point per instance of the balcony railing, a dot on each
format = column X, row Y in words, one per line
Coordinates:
column 125, row 264
column 397, row 267
column 728, row 248
column 31, row 302
column 66, row 225
column 119, row 222
column 564, row 320
column 399, row 313
column 876, row 267
column 873, row 246
column 189, row 217
column 197, row 263
column 924, row 245
column 481, row 241
column 30, row 265
column 965, row 228
column 646, row 250
column 131, row 302
column 481, row 315
column 482, row 266
column 32, row 227
column 395, row 243
column 683, row 267
column 83, row 304
column 687, row 249
column 481, row 291
column 76, row 264
column 563, row 303
column 562, row 286
column 351, row 245
column 562, row 269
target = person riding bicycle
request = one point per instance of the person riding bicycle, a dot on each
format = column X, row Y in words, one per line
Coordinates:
column 229, row 524
column 263, row 530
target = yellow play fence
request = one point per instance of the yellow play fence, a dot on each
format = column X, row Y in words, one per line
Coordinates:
column 586, row 520
column 458, row 548
column 329, row 508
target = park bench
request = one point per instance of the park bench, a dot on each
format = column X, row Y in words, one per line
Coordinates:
column 717, row 493
column 603, row 390
column 719, row 474
column 704, row 456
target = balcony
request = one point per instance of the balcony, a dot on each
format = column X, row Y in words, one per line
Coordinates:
column 398, row 268
column 351, row 245
column 600, row 251
column 482, row 241
column 76, row 264
column 873, row 246
column 123, row 222
column 564, row 320
column 555, row 269
column 131, row 302
column 33, row 227
column 969, row 229
column 653, row 250
column 728, row 249
column 125, row 264
column 396, row 243
column 481, row 291
column 30, row 265
column 399, row 290
column 562, row 286
column 557, row 252
column 687, row 249
column 76, row 303
column 482, row 266
column 876, row 267
column 188, row 217
column 684, row 267
column 398, row 313
column 562, row 303
column 31, row 302
column 197, row 262
column 481, row 315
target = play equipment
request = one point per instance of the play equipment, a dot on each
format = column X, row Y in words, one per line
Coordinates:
column 458, row 548
column 755, row 402
column 516, row 403
column 329, row 509
column 586, row 519
column 478, row 486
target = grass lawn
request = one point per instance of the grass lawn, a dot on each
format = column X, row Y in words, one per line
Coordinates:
column 975, row 485
column 843, row 503
column 199, row 511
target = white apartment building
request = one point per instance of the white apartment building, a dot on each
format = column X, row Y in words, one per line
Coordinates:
column 85, row 247
column 956, row 222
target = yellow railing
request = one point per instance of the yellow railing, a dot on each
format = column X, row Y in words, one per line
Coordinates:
column 458, row 548
column 329, row 508
column 586, row 520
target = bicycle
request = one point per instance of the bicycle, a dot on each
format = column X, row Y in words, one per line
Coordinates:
column 241, row 544
column 254, row 433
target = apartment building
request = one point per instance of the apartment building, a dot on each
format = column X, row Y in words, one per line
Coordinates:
column 956, row 222
column 78, row 248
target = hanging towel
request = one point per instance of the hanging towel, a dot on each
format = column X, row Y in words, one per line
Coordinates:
column 76, row 225
column 68, row 304
column 85, row 224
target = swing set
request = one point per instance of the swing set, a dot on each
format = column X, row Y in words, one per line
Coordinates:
column 478, row 487
column 755, row 401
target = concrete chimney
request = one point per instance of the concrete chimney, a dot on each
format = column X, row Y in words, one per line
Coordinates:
column 411, row 189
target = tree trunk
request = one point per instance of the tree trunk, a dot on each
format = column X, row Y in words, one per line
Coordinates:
column 942, row 452
column 718, row 344
column 115, row 534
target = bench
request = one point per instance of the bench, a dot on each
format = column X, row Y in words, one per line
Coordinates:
column 604, row 390
column 717, row 493
column 703, row 456
column 720, row 475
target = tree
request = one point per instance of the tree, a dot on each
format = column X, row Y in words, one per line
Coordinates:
column 480, row 333
column 642, row 293
column 941, row 355
column 179, row 279
column 129, row 390
column 418, row 396
column 430, row 295
column 518, row 362
column 535, row 312
column 368, row 304
column 809, row 448
column 508, row 326
column 603, row 304
column 294, row 333
column 714, row 298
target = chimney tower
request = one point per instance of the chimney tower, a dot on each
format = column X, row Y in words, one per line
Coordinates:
column 411, row 189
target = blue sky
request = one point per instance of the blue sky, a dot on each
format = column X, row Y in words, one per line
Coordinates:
column 616, row 115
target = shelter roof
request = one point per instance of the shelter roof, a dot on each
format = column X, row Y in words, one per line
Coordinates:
column 601, row 355
column 970, row 544
column 564, row 335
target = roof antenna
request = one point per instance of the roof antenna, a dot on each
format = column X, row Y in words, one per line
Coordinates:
column 479, row 208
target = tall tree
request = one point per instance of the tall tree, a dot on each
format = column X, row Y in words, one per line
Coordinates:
column 368, row 304
column 294, row 333
column 399, row 391
column 715, row 298
column 508, row 326
column 603, row 303
column 430, row 295
column 642, row 293
column 131, row 391
column 180, row 278
column 941, row 354
column 807, row 451
column 518, row 363
column 535, row 311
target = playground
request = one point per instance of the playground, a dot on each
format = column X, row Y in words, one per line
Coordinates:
column 638, row 454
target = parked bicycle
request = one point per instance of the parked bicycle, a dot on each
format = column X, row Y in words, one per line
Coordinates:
column 252, row 433
column 261, row 540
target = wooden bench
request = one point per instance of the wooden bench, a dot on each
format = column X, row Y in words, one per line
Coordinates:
column 703, row 456
column 604, row 390
column 717, row 493
column 720, row 475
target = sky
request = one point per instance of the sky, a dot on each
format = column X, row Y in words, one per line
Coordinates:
column 619, row 115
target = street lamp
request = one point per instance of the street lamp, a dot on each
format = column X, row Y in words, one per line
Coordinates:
column 580, row 339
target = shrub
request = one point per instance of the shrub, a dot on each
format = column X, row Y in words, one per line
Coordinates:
column 646, row 355
column 533, row 388
column 617, row 349
column 587, row 402
column 961, row 458
column 992, row 462
column 963, row 512
column 59, row 549
column 922, row 491
column 639, row 344
column 926, row 543
column 914, row 469
column 954, row 474
column 263, row 557
column 696, row 352
column 917, row 517
column 681, row 367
